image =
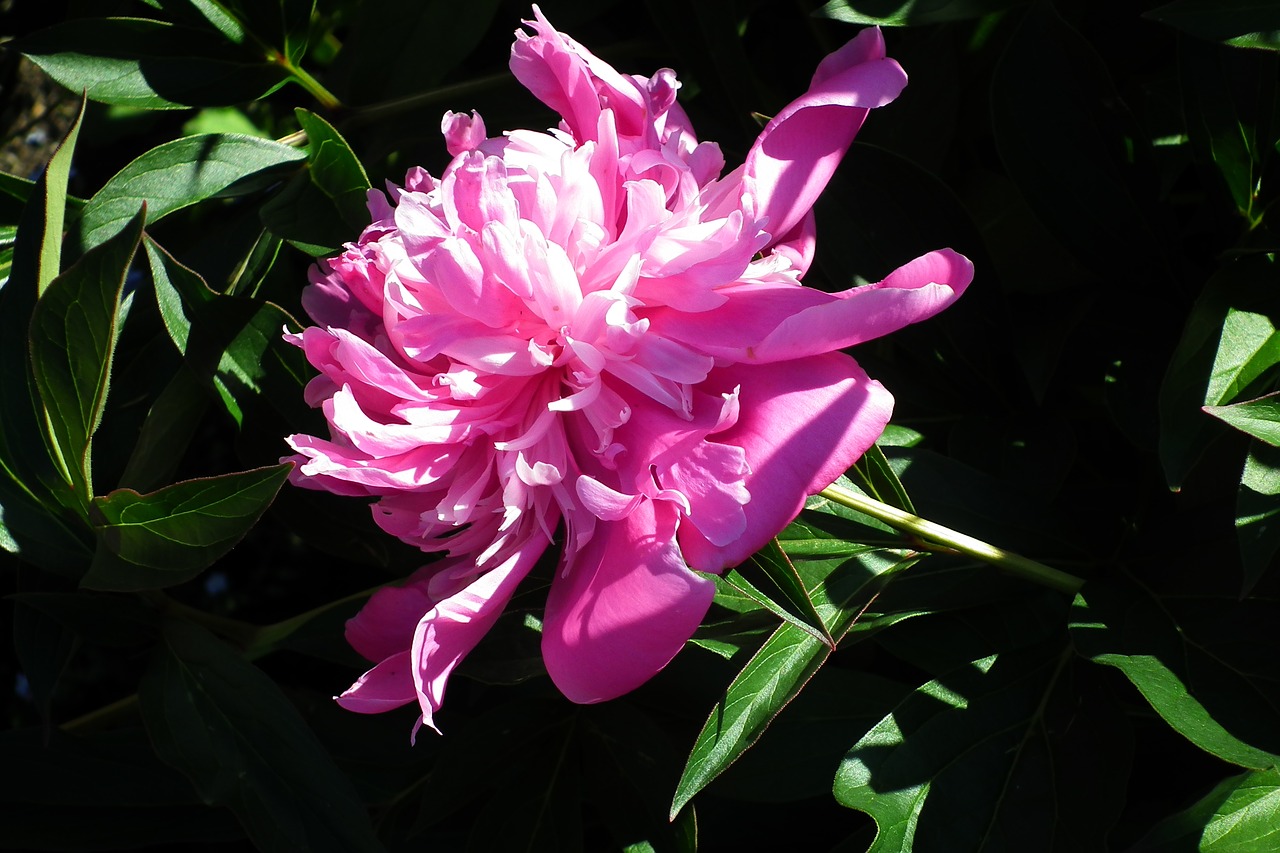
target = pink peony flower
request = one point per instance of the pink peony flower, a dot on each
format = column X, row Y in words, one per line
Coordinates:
column 593, row 336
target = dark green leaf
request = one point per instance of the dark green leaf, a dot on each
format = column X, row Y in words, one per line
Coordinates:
column 121, row 796
column 139, row 62
column 227, row 727
column 1228, row 101
column 1219, row 20
column 1240, row 815
column 911, row 13
column 108, row 620
column 808, row 739
column 381, row 60
column 1229, row 340
column 770, row 680
column 44, row 647
column 181, row 173
column 73, row 337
column 41, row 535
column 1087, row 199
column 1005, row 753
column 1258, row 513
column 1227, row 707
column 537, row 807
column 1259, row 418
column 36, row 259
column 171, row 535
column 234, row 344
column 170, row 425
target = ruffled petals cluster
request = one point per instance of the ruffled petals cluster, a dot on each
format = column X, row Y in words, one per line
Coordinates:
column 596, row 338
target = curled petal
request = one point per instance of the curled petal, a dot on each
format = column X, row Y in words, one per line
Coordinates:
column 624, row 609
column 453, row 627
column 798, row 151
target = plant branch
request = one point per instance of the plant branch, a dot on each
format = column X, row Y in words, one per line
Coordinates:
column 1014, row 564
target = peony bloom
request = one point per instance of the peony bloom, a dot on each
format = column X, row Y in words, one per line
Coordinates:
column 592, row 336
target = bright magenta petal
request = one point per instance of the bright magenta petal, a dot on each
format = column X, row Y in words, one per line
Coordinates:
column 802, row 424
column 625, row 608
column 909, row 294
column 798, row 151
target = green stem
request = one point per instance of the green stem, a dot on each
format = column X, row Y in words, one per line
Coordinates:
column 1014, row 564
column 323, row 96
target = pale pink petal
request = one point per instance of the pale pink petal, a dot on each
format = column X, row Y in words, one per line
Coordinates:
column 798, row 151
column 450, row 630
column 801, row 424
column 625, row 609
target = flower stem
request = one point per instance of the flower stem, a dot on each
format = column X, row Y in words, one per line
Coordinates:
column 1014, row 564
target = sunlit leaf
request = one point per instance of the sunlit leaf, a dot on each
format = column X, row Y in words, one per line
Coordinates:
column 773, row 676
column 1259, row 418
column 172, row 534
column 140, row 62
column 910, row 13
column 1258, row 513
column 1228, row 341
column 227, row 727
column 1200, row 678
column 181, row 173
column 996, row 755
column 1240, row 815
column 1219, row 20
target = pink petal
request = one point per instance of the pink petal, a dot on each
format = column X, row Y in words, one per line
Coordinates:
column 384, row 626
column 762, row 323
column 454, row 626
column 387, row 686
column 909, row 294
column 802, row 424
column 625, row 609
column 798, row 151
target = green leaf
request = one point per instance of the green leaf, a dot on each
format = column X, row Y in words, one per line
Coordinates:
column 911, row 13
column 1259, row 418
column 171, row 423
column 106, row 792
column 139, row 62
column 36, row 260
column 171, row 535
column 1228, row 102
column 380, row 58
column 876, row 477
column 1004, row 753
column 1219, row 20
column 770, row 578
column 40, row 535
column 1227, row 342
column 1240, row 815
column 1089, row 199
column 109, row 620
column 1226, row 707
column 44, row 647
column 227, row 727
column 1258, row 513
column 181, row 173
column 73, row 337
column 335, row 169
column 769, row 681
